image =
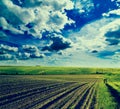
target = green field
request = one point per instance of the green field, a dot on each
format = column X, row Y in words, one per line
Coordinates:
column 40, row 70
column 36, row 87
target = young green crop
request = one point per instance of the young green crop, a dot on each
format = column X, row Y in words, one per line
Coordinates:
column 104, row 98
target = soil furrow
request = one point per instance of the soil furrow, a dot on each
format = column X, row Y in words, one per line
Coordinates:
column 58, row 104
column 82, row 100
column 71, row 101
column 55, row 97
column 21, row 95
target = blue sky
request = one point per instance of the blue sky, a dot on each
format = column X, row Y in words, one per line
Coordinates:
column 60, row 33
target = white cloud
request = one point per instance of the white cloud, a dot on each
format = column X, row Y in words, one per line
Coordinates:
column 118, row 3
column 90, row 37
column 4, row 24
column 45, row 15
column 31, row 51
column 26, row 52
column 58, row 5
column 93, row 39
column 8, row 48
column 8, row 52
column 110, row 27
column 15, row 14
column 38, row 55
column 85, row 5
column 81, row 11
column 30, row 48
column 6, row 57
column 112, row 12
column 57, row 21
column 23, row 56
column 111, row 33
column 26, row 55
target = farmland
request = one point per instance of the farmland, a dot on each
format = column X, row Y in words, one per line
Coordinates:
column 61, row 91
column 45, row 70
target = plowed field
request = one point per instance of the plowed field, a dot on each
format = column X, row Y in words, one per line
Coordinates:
column 49, row 91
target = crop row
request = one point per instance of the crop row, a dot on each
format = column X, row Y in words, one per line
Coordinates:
column 11, row 88
column 48, row 94
column 27, row 95
column 76, row 97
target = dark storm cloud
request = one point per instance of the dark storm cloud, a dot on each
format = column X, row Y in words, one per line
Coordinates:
column 113, row 41
column 113, row 37
column 113, row 34
column 94, row 51
column 58, row 43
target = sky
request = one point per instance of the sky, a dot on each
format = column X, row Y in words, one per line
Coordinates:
column 82, row 33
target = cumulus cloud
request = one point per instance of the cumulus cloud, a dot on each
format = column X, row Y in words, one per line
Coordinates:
column 29, row 48
column 6, row 57
column 38, row 28
column 112, row 32
column 7, row 52
column 117, row 2
column 37, row 55
column 3, row 23
column 21, row 53
column 89, row 37
column 44, row 15
column 58, row 42
column 15, row 14
column 111, row 26
column 33, row 18
column 57, row 21
column 85, row 5
column 115, row 12
column 53, row 4
column 6, row 26
column 100, row 38
column 6, row 49
column 31, row 51
column 23, row 56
